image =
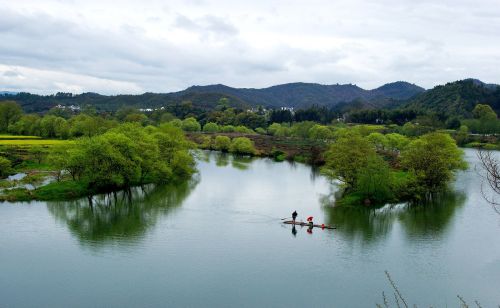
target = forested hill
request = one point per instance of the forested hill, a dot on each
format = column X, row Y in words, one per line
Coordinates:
column 40, row 103
column 457, row 98
column 299, row 95
column 454, row 98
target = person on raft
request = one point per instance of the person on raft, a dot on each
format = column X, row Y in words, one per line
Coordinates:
column 310, row 221
column 294, row 216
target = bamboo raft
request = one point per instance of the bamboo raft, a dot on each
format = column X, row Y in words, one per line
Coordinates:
column 305, row 224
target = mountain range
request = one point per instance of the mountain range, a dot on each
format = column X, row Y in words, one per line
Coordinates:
column 457, row 97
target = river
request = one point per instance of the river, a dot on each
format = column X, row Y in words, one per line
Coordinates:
column 218, row 241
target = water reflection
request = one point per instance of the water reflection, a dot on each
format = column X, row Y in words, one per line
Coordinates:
column 431, row 219
column 222, row 159
column 123, row 218
column 241, row 162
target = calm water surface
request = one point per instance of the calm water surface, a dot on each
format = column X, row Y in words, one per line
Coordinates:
column 217, row 241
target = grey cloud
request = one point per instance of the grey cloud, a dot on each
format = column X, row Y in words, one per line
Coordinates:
column 11, row 74
column 249, row 45
column 206, row 25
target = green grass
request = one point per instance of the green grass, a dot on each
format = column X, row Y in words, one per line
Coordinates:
column 486, row 146
column 29, row 165
column 63, row 190
column 56, row 191
column 16, row 194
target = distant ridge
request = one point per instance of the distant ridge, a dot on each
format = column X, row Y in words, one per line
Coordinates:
column 298, row 95
column 454, row 98
column 301, row 95
column 3, row 93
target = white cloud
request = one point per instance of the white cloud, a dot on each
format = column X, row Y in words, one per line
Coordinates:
column 153, row 45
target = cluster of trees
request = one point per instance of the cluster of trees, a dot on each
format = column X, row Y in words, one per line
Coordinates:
column 387, row 168
column 317, row 114
column 124, row 156
column 483, row 119
column 305, row 130
column 55, row 124
column 238, row 145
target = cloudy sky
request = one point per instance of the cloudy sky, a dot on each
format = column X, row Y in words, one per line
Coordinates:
column 128, row 46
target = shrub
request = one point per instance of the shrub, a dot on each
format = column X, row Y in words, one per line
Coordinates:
column 228, row 129
column 222, row 143
column 191, row 125
column 243, row 130
column 211, row 127
column 260, row 130
column 242, row 145
column 433, row 158
column 374, row 181
column 206, row 142
column 273, row 128
column 320, row 132
column 278, row 155
column 5, row 166
column 175, row 123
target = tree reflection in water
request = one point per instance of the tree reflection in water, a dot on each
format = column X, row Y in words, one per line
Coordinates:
column 430, row 219
column 123, row 218
column 241, row 162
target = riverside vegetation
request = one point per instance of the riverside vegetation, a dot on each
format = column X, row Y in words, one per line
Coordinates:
column 124, row 156
column 90, row 153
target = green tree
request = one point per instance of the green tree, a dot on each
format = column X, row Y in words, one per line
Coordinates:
column 273, row 128
column 484, row 112
column 10, row 112
column 462, row 135
column 378, row 140
column 191, row 125
column 222, row 143
column 242, row 145
column 37, row 153
column 211, row 127
column 250, row 119
column 260, row 131
column 140, row 118
column 320, row 132
column 206, row 142
column 346, row 156
column 54, row 127
column 228, row 129
column 28, row 124
column 166, row 117
column 433, row 158
column 243, row 130
column 395, row 142
column 176, row 123
column 300, row 129
column 374, row 181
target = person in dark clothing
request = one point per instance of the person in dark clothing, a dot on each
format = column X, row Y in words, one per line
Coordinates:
column 294, row 215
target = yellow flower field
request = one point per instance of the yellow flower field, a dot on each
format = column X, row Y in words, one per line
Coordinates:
column 31, row 142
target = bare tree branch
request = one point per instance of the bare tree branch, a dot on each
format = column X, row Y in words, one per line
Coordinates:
column 491, row 174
